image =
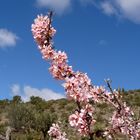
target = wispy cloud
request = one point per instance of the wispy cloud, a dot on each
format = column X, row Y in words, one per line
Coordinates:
column 7, row 38
column 15, row 89
column 108, row 8
column 129, row 9
column 59, row 6
column 126, row 9
column 102, row 42
column 27, row 91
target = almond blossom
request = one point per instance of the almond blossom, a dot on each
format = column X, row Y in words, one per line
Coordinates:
column 78, row 87
column 60, row 72
column 56, row 133
column 47, row 52
column 82, row 119
column 42, row 29
column 123, row 121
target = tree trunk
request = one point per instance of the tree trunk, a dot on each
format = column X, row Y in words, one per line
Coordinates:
column 44, row 135
column 8, row 133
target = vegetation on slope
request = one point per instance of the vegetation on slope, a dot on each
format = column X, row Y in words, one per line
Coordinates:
column 32, row 120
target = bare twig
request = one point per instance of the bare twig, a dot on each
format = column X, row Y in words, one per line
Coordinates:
column 109, row 86
column 50, row 14
column 109, row 101
column 78, row 105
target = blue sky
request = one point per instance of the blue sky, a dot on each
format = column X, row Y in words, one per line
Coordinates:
column 101, row 38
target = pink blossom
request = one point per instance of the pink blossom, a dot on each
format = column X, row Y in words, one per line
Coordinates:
column 123, row 121
column 78, row 87
column 60, row 71
column 42, row 29
column 47, row 52
column 56, row 133
column 96, row 92
column 60, row 58
column 78, row 121
column 82, row 119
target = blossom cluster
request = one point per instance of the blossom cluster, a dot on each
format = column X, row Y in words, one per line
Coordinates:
column 77, row 84
column 42, row 29
column 59, row 67
column 79, row 88
column 81, row 119
column 56, row 133
column 123, row 121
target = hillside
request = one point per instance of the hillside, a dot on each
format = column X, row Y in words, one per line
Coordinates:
column 31, row 120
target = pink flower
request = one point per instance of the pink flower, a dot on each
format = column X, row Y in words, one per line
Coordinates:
column 59, row 67
column 56, row 133
column 122, row 120
column 96, row 91
column 78, row 87
column 59, row 58
column 78, row 121
column 60, row 71
column 42, row 29
column 82, row 120
column 47, row 52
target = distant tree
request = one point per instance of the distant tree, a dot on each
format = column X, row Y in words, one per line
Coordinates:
column 43, row 122
column 21, row 116
column 16, row 99
column 4, row 103
column 35, row 100
column 38, row 102
column 123, row 90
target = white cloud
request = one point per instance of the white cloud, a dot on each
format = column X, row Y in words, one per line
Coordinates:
column 130, row 9
column 127, row 9
column 108, row 8
column 7, row 38
column 29, row 91
column 15, row 89
column 58, row 6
